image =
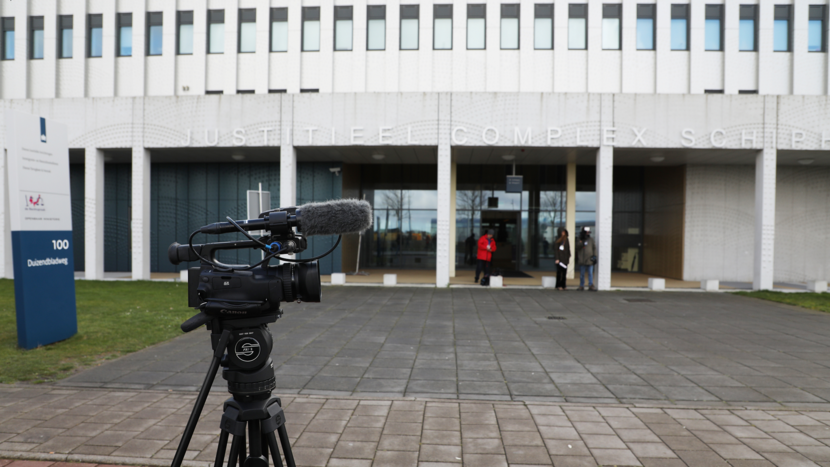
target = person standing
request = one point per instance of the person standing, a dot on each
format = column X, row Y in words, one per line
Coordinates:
column 486, row 248
column 586, row 251
column 562, row 254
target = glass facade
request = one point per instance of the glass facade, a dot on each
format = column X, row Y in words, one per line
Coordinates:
column 442, row 27
column 578, row 27
column 781, row 28
column 185, row 33
column 65, row 36
column 36, row 31
column 343, row 28
column 376, row 27
column 713, row 33
column 509, row 27
column 216, row 31
column 476, row 27
column 404, row 199
column 680, row 27
column 311, row 29
column 611, row 31
column 125, row 35
column 95, row 36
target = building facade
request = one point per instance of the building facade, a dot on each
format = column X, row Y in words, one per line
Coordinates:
column 694, row 136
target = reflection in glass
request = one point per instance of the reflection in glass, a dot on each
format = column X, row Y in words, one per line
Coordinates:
column 679, row 34
column 712, row 34
column 746, row 35
column 443, row 34
column 645, row 34
column 217, row 38
column 543, row 33
column 409, row 34
column 577, row 33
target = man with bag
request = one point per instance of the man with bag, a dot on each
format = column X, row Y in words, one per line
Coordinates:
column 586, row 251
column 486, row 248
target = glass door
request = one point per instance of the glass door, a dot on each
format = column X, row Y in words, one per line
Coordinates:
column 507, row 227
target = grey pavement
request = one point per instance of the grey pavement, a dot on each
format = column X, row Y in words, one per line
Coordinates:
column 522, row 344
column 138, row 427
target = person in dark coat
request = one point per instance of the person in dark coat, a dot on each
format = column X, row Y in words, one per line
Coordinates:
column 486, row 247
column 562, row 253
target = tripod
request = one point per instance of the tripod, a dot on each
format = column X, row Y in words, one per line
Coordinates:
column 249, row 371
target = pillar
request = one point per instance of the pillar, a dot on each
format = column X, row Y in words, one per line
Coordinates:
column 570, row 215
column 6, row 264
column 765, row 162
column 140, row 222
column 605, row 216
column 288, row 176
column 453, row 233
column 94, row 213
column 443, row 240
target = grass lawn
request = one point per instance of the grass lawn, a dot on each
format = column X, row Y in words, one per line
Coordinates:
column 813, row 301
column 114, row 318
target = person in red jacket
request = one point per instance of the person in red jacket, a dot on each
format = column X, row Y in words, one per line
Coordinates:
column 486, row 247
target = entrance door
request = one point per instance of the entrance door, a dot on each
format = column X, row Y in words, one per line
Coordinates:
column 507, row 227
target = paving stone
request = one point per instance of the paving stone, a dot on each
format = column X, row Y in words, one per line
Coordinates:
column 439, row 453
column 395, row 459
column 317, row 440
column 441, row 437
column 573, row 461
column 658, row 450
column 399, row 443
column 527, row 455
column 485, row 460
column 615, row 457
column 482, row 446
column 355, row 449
column 61, row 444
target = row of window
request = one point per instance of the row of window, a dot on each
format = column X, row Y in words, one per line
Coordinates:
column 442, row 29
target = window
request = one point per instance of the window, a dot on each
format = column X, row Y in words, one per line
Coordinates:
column 247, row 30
column 184, row 32
column 611, row 30
column 95, row 39
column 781, row 28
column 680, row 27
column 124, row 39
column 36, row 37
column 748, row 28
column 442, row 27
column 245, row 91
column 543, row 26
column 216, row 31
column 342, row 28
column 578, row 26
column 277, row 91
column 303, row 91
column 816, row 39
column 409, row 27
column 510, row 26
column 311, row 29
column 476, row 27
column 645, row 26
column 214, row 92
column 279, row 29
column 376, row 27
column 8, row 38
column 65, row 36
column 713, row 91
column 154, row 33
column 714, row 27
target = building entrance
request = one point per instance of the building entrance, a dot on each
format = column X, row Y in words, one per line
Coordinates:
column 507, row 226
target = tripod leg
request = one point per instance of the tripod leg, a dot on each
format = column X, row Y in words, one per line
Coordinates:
column 237, row 440
column 200, row 400
column 220, row 451
column 286, row 447
column 264, row 443
column 275, row 451
column 242, row 452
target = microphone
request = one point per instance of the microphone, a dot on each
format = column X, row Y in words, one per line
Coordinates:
column 327, row 218
column 334, row 217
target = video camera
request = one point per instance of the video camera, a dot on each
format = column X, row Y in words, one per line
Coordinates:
column 228, row 291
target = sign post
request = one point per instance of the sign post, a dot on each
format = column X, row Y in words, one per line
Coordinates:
column 41, row 222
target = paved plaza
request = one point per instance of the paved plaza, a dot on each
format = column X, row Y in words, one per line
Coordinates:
column 522, row 344
column 472, row 377
column 143, row 428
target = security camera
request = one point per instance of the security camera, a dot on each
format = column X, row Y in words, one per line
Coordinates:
column 335, row 171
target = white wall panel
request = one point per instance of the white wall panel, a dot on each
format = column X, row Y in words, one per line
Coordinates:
column 802, row 224
column 126, row 80
column 245, row 75
column 712, row 64
column 719, row 223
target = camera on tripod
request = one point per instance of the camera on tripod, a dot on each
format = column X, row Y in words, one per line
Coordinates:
column 237, row 302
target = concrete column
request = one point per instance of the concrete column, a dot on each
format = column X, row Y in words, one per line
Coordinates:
column 453, row 233
column 288, row 176
column 605, row 216
column 765, row 166
column 94, row 213
column 442, row 259
column 570, row 215
column 6, row 265
column 140, row 222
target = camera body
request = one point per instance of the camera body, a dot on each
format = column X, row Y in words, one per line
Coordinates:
column 258, row 291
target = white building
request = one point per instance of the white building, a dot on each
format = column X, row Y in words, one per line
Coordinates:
column 626, row 116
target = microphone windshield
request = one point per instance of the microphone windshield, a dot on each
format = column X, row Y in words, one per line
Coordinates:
column 334, row 217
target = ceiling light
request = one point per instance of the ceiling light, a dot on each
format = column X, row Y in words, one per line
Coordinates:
column 378, row 157
column 657, row 158
column 508, row 157
column 806, row 161
column 238, row 157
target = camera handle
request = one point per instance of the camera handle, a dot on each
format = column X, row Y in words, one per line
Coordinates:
column 218, row 352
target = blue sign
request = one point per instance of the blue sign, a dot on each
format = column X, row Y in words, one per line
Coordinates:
column 40, row 211
column 44, row 298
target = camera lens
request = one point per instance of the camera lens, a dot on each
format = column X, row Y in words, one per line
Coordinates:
column 308, row 282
